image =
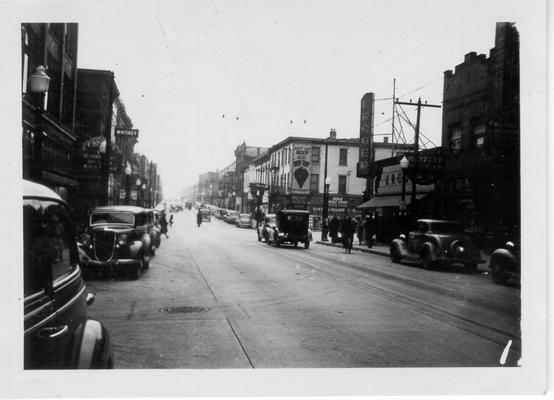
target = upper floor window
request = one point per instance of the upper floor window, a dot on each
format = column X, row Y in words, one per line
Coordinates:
column 342, row 184
column 456, row 139
column 314, row 183
column 343, row 156
column 315, row 155
column 478, row 138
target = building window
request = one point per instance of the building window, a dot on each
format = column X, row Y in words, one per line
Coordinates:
column 342, row 184
column 456, row 139
column 478, row 138
column 343, row 157
column 314, row 183
column 315, row 155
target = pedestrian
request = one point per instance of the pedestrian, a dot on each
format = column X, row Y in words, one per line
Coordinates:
column 163, row 224
column 171, row 220
column 348, row 226
column 199, row 218
column 334, row 225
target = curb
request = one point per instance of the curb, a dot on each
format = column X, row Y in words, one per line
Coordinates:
column 363, row 250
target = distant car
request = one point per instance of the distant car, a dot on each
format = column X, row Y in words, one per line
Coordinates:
column 436, row 243
column 269, row 223
column 206, row 215
column 58, row 333
column 244, row 221
column 232, row 217
column 117, row 239
column 505, row 264
column 291, row 227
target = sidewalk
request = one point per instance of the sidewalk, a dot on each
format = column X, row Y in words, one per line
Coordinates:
column 383, row 250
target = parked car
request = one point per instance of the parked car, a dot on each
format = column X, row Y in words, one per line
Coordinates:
column 291, row 227
column 117, row 239
column 505, row 264
column 58, row 333
column 232, row 217
column 269, row 223
column 244, row 221
column 436, row 243
column 154, row 229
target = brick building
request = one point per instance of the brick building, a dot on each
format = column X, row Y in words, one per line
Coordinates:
column 481, row 132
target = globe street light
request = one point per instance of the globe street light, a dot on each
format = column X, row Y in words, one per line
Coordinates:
column 404, row 163
column 324, row 225
column 39, row 83
column 137, row 183
column 128, row 172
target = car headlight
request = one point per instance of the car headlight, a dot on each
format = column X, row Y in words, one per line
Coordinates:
column 459, row 251
column 122, row 240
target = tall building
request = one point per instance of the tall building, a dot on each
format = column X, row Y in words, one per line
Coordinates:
column 48, row 123
column 481, row 133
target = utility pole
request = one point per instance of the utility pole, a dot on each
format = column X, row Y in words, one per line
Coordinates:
column 414, row 167
column 393, row 111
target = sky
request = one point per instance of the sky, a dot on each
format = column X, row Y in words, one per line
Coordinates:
column 200, row 77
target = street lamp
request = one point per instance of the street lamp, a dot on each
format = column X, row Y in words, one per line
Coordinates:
column 142, row 194
column 404, row 163
column 128, row 172
column 39, row 83
column 324, row 226
column 137, row 183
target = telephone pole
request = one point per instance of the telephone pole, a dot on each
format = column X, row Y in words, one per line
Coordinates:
column 414, row 167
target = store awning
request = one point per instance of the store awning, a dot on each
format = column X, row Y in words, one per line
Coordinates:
column 389, row 201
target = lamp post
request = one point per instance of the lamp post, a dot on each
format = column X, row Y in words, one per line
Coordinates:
column 39, row 83
column 137, row 183
column 404, row 163
column 144, row 203
column 128, row 172
column 324, row 226
column 211, row 194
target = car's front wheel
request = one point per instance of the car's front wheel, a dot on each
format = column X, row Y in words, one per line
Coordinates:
column 427, row 261
column 307, row 244
column 259, row 237
column 395, row 255
column 471, row 268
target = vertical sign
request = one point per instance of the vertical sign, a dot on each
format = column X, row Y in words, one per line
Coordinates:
column 142, row 166
column 366, row 135
column 301, row 161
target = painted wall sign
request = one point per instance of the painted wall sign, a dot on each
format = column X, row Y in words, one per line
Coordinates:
column 301, row 161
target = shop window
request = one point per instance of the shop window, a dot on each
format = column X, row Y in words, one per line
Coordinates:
column 343, row 156
column 342, row 184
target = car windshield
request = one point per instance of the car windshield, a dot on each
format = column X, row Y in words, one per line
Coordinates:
column 444, row 227
column 112, row 218
column 245, row 216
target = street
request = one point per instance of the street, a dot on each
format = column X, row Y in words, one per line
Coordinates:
column 214, row 297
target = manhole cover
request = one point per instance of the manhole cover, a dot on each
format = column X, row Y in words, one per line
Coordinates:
column 183, row 309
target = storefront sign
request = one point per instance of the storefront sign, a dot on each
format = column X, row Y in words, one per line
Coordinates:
column 126, row 133
column 301, row 160
column 366, row 135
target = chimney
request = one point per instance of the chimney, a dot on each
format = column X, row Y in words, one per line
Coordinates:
column 333, row 134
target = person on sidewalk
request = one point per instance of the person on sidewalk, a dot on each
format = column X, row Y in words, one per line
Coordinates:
column 163, row 224
column 171, row 220
column 199, row 218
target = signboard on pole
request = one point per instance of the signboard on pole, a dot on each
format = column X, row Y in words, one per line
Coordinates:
column 366, row 135
column 301, row 161
column 126, row 133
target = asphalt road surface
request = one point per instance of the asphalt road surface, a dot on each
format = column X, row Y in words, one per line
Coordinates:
column 215, row 297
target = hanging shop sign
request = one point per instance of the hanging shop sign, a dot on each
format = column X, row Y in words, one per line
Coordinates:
column 301, row 161
column 126, row 133
column 366, row 136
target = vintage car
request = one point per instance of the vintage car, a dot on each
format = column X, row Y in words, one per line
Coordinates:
column 117, row 239
column 244, row 221
column 231, row 217
column 505, row 264
column 206, row 214
column 58, row 333
column 269, row 223
column 436, row 243
column 154, row 229
column 291, row 226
